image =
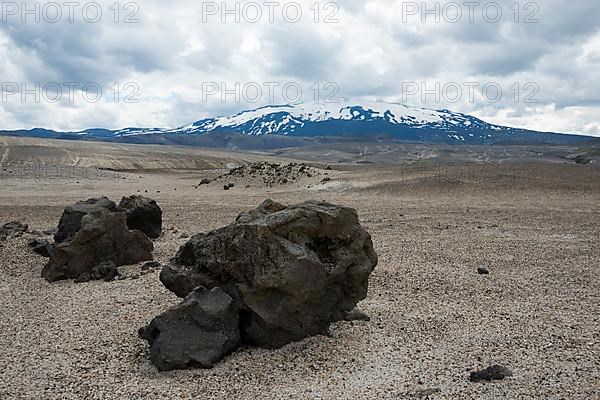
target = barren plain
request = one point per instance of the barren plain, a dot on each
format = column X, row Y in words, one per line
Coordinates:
column 534, row 223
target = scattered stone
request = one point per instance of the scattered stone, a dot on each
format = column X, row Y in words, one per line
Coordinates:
column 143, row 214
column 291, row 270
column 151, row 265
column 40, row 247
column 199, row 332
column 270, row 173
column 326, row 179
column 184, row 236
column 225, row 187
column 582, row 159
column 105, row 270
column 483, row 271
column 495, row 372
column 205, row 181
column 103, row 237
column 13, row 229
column 356, row 315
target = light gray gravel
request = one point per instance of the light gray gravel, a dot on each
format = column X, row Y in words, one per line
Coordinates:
column 433, row 317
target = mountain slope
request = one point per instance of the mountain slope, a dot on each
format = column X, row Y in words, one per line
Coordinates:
column 365, row 120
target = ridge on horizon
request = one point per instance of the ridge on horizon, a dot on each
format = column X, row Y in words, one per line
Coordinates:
column 344, row 118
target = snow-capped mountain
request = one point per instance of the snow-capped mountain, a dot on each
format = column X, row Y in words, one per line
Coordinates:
column 342, row 118
column 367, row 120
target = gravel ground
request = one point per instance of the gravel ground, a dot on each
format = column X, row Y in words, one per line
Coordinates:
column 433, row 318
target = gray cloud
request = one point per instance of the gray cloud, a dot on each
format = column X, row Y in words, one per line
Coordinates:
column 372, row 52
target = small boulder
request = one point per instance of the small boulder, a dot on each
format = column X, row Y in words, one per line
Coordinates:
column 495, row 372
column 199, row 332
column 143, row 214
column 483, row 271
column 103, row 237
column 13, row 229
column 105, row 270
column 40, row 247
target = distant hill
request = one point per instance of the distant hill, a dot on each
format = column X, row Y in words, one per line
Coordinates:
column 301, row 124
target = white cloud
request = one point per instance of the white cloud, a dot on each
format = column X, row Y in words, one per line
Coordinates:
column 372, row 52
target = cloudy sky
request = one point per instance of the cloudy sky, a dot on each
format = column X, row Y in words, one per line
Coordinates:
column 164, row 64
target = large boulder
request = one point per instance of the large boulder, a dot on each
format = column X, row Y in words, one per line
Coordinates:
column 142, row 214
column 102, row 243
column 200, row 331
column 70, row 222
column 291, row 270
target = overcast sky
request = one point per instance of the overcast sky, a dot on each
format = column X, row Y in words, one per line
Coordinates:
column 158, row 63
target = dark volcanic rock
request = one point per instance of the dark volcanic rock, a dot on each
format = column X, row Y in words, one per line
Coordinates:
column 14, row 229
column 199, row 332
column 142, row 214
column 291, row 270
column 105, row 270
column 151, row 265
column 103, row 237
column 495, row 372
column 70, row 222
column 483, row 271
column 40, row 247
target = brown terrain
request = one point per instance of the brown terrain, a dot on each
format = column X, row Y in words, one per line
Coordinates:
column 436, row 215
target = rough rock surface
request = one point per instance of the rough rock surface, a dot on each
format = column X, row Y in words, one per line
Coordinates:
column 199, row 332
column 70, row 222
column 40, row 247
column 12, row 229
column 291, row 270
column 270, row 174
column 142, row 214
column 103, row 237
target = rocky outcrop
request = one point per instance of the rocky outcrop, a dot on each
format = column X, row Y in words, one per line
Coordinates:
column 290, row 270
column 269, row 174
column 199, row 332
column 143, row 214
column 102, row 243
